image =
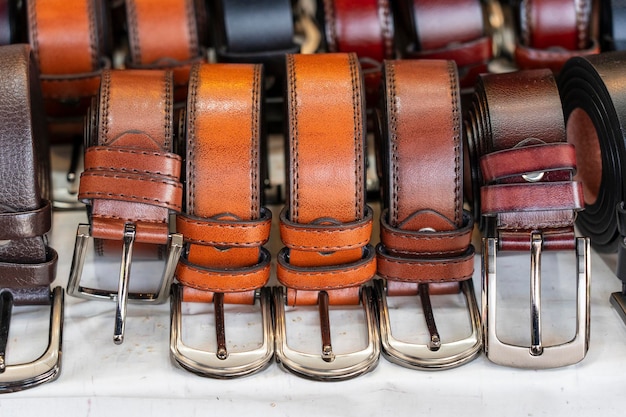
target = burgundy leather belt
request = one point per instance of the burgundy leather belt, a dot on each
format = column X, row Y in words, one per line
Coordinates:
column 552, row 31
column 224, row 224
column 131, row 180
column 451, row 29
column 325, row 225
column 592, row 95
column 528, row 200
column 425, row 234
column 27, row 263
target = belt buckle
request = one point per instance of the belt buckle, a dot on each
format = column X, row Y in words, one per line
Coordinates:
column 221, row 364
column 122, row 296
column 327, row 366
column 535, row 356
column 435, row 355
column 47, row 367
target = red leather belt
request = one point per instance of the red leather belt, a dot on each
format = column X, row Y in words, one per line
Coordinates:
column 528, row 200
column 552, row 31
column 224, row 224
column 452, row 30
column 27, row 263
column 131, row 179
column 366, row 28
column 325, row 225
column 592, row 95
column 425, row 234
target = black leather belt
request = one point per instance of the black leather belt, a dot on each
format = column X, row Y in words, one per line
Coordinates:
column 594, row 105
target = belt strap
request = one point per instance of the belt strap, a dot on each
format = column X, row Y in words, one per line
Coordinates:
column 450, row 30
column 326, row 180
column 170, row 36
column 27, row 264
column 224, row 224
column 519, row 195
column 131, row 174
column 552, row 31
column 424, row 235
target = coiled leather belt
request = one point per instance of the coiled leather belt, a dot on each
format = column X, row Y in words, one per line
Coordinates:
column 27, row 263
column 325, row 225
column 131, row 180
column 593, row 103
column 224, row 224
column 523, row 180
column 425, row 234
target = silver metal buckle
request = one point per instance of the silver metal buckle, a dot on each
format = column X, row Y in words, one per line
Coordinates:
column 221, row 364
column 535, row 356
column 122, row 296
column 44, row 369
column 435, row 355
column 618, row 301
column 327, row 366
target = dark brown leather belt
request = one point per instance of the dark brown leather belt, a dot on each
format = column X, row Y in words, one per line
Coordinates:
column 27, row 263
column 425, row 234
column 325, row 225
column 528, row 201
column 131, row 179
column 224, row 224
column 592, row 94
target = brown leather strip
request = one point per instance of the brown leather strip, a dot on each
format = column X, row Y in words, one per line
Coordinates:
column 326, row 237
column 464, row 54
column 527, row 58
column 225, row 233
column 71, row 86
column 22, row 275
column 132, row 160
column 528, row 159
column 25, row 224
column 539, row 196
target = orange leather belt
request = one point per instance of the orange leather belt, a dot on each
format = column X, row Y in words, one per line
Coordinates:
column 27, row 263
column 224, row 224
column 523, row 173
column 325, row 225
column 425, row 234
column 552, row 31
column 131, row 177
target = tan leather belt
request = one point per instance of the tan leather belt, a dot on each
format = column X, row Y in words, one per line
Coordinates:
column 325, row 225
column 425, row 234
column 131, row 179
column 224, row 224
column 27, row 263
column 528, row 200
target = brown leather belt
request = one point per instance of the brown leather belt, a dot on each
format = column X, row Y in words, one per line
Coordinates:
column 131, row 178
column 27, row 263
column 425, row 234
column 552, row 31
column 528, row 201
column 325, row 225
column 224, row 224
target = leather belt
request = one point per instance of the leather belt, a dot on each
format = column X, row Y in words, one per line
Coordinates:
column 425, row 240
column 592, row 99
column 131, row 179
column 552, row 31
column 452, row 30
column 613, row 25
column 27, row 263
column 10, row 21
column 528, row 200
column 366, row 28
column 325, row 225
column 224, row 224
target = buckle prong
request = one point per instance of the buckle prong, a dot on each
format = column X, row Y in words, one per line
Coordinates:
column 6, row 307
column 122, row 291
column 435, row 340
column 327, row 347
column 536, row 348
column 220, row 328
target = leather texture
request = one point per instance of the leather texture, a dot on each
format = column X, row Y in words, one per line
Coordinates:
column 552, row 31
column 224, row 224
column 514, row 194
column 449, row 30
column 131, row 174
column 593, row 97
column 325, row 153
column 170, row 36
column 425, row 236
column 27, row 263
